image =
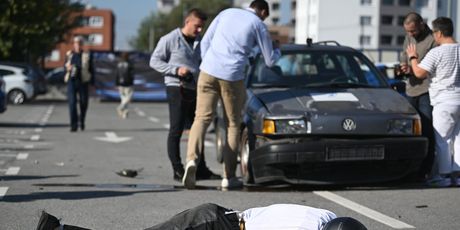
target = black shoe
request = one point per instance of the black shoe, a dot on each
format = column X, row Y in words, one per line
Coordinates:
column 48, row 222
column 207, row 174
column 73, row 130
column 178, row 175
column 82, row 127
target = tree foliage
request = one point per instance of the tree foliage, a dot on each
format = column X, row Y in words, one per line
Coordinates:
column 30, row 29
column 156, row 25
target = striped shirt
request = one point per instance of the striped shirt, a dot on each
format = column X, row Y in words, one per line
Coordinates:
column 443, row 64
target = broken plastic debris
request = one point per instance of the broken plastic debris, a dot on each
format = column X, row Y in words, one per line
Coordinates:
column 129, row 172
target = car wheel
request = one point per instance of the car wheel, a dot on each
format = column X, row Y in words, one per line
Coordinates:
column 16, row 96
column 220, row 139
column 247, row 146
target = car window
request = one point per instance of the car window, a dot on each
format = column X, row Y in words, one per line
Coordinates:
column 317, row 68
column 4, row 72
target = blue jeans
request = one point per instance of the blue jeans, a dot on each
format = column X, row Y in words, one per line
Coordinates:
column 77, row 92
column 422, row 104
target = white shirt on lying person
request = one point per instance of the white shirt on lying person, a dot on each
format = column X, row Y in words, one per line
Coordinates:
column 286, row 217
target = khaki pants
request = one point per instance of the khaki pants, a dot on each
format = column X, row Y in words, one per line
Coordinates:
column 233, row 97
column 126, row 93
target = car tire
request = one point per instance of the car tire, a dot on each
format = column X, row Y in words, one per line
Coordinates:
column 247, row 145
column 16, row 96
column 221, row 138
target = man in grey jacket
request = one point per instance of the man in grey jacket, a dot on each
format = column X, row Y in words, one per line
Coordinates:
column 177, row 57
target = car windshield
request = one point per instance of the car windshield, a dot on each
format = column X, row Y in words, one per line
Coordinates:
column 317, row 69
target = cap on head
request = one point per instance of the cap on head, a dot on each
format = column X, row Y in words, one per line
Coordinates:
column 344, row 223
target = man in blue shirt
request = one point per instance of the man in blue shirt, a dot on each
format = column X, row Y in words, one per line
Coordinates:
column 225, row 48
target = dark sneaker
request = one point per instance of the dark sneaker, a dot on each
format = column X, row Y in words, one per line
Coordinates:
column 48, row 222
column 207, row 174
column 178, row 174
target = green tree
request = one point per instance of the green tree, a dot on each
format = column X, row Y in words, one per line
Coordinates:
column 156, row 25
column 30, row 29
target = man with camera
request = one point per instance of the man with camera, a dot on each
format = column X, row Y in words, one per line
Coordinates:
column 418, row 33
column 177, row 57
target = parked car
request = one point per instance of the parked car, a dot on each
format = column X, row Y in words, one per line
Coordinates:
column 34, row 73
column 324, row 115
column 3, row 102
column 19, row 87
column 55, row 79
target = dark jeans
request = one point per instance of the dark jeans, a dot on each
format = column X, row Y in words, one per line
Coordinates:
column 77, row 92
column 424, row 108
column 204, row 217
column 182, row 104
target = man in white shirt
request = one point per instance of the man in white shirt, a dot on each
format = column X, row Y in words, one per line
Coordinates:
column 225, row 50
column 214, row 217
column 442, row 66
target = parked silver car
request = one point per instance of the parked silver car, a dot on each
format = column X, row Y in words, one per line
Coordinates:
column 18, row 86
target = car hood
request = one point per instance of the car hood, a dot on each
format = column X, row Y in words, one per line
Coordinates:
column 338, row 101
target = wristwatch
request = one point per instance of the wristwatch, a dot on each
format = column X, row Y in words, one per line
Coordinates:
column 412, row 57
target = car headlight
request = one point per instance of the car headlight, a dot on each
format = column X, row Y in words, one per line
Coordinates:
column 405, row 126
column 286, row 126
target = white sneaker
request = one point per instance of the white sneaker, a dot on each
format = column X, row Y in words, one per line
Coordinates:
column 190, row 175
column 232, row 183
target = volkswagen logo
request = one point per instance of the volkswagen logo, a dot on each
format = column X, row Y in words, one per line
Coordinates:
column 348, row 124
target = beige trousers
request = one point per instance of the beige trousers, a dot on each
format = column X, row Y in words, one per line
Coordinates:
column 233, row 97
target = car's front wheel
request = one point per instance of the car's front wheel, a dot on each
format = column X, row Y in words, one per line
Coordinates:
column 16, row 96
column 247, row 146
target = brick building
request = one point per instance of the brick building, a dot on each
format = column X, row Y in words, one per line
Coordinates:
column 97, row 28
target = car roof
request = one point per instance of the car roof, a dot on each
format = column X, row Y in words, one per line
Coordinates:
column 319, row 46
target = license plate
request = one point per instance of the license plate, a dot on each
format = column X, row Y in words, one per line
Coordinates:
column 355, row 153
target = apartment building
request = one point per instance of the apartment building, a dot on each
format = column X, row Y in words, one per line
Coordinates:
column 97, row 29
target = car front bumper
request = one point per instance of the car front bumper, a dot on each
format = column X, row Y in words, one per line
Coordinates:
column 363, row 160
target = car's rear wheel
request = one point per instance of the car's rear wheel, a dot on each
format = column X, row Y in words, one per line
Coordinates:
column 220, row 135
column 247, row 146
column 16, row 96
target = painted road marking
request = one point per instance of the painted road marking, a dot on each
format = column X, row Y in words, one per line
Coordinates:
column 19, row 156
column 38, row 130
column 166, row 126
column 35, row 137
column 22, row 156
column 377, row 216
column 208, row 144
column 139, row 112
column 12, row 171
column 3, row 191
column 154, row 119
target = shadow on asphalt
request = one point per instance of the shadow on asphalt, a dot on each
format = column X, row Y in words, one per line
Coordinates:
column 13, row 178
column 32, row 125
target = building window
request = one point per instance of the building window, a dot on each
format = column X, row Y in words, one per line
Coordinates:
column 364, row 40
column 387, row 20
column 55, row 55
column 386, row 39
column 401, row 20
column 365, row 20
column 422, row 3
column 95, row 39
column 96, row 21
column 400, row 40
column 366, row 2
column 387, row 2
column 275, row 20
column 275, row 6
column 404, row 2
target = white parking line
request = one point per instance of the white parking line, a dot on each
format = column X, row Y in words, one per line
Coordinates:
column 35, row 137
column 38, row 130
column 154, row 119
column 208, row 144
column 22, row 156
column 166, row 126
column 377, row 216
column 12, row 171
column 139, row 112
column 3, row 191
column 28, row 146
